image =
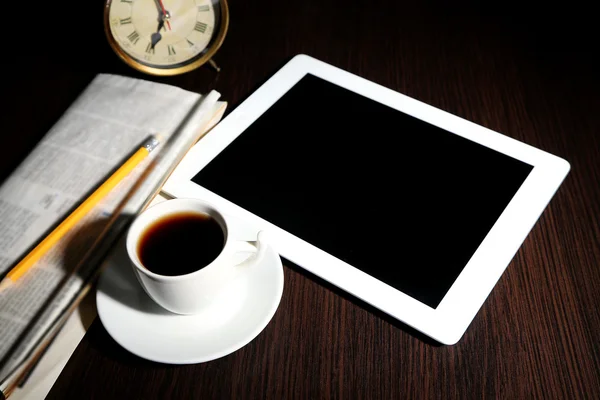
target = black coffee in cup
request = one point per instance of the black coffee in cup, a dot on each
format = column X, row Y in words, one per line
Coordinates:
column 180, row 243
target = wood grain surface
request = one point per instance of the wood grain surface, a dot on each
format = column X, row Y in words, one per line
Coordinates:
column 531, row 77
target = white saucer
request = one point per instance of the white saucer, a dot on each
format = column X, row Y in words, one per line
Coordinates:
column 147, row 330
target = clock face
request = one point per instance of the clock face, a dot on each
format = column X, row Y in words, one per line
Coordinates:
column 162, row 33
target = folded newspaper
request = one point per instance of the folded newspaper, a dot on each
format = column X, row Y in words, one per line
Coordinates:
column 106, row 123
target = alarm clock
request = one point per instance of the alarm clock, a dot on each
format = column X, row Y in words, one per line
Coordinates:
column 166, row 37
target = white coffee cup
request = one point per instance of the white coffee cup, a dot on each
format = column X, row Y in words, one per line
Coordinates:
column 190, row 293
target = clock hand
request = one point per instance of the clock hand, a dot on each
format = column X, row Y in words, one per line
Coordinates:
column 156, row 36
column 165, row 13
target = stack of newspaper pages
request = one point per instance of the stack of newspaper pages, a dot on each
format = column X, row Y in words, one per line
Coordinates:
column 104, row 126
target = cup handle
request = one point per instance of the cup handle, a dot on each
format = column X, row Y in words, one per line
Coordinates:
column 260, row 247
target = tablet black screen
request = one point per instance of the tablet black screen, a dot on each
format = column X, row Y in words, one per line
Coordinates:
column 396, row 197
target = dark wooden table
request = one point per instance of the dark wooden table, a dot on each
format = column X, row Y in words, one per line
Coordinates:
column 531, row 77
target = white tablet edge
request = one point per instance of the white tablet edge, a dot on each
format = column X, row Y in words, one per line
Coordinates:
column 448, row 322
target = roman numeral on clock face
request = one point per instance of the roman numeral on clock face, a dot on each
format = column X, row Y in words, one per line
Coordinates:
column 200, row 27
column 203, row 8
column 125, row 21
column 133, row 37
column 149, row 49
column 171, row 50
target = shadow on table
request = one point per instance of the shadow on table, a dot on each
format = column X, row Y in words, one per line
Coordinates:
column 102, row 344
column 119, row 282
column 355, row 300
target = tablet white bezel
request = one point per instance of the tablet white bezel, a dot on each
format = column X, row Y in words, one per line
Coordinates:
column 450, row 319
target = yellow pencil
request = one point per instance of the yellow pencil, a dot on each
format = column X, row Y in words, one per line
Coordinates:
column 68, row 223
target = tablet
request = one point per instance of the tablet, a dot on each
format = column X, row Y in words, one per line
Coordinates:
column 407, row 207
